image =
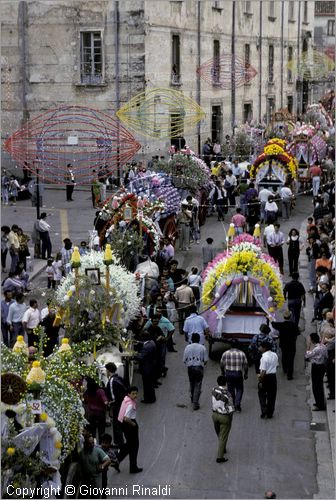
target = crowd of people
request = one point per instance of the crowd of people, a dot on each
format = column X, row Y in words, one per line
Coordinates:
column 172, row 306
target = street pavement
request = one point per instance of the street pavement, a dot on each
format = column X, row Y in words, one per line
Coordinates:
column 178, row 445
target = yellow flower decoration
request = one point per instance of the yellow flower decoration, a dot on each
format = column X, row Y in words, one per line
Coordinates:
column 273, row 150
column 20, row 345
column 58, row 445
column 10, row 451
column 43, row 417
column 213, row 308
column 64, row 347
column 36, row 374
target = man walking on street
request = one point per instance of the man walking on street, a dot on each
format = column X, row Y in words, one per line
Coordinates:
column 185, row 298
column 208, row 252
column 115, row 391
column 195, row 358
column 222, row 413
column 16, row 312
column 5, row 304
column 267, row 385
column 296, row 294
column 195, row 324
column 70, row 179
column 275, row 242
column 235, row 368
column 148, row 368
column 288, row 333
column 14, row 247
column 127, row 418
column 44, row 229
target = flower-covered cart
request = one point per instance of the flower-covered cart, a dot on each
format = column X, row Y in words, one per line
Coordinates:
column 157, row 186
column 96, row 302
column 126, row 214
column 190, row 175
column 242, row 288
column 275, row 166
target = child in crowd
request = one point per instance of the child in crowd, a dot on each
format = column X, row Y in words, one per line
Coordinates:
column 57, row 269
column 50, row 274
column 310, row 224
column 106, row 446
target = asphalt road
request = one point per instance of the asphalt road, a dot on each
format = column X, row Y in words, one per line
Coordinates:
column 177, row 445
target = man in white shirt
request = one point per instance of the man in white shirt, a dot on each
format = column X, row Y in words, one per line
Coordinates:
column 44, row 228
column 275, row 243
column 267, row 386
column 31, row 319
column 195, row 324
column 222, row 412
column 286, row 198
column 263, row 196
column 195, row 358
column 271, row 210
column 269, row 229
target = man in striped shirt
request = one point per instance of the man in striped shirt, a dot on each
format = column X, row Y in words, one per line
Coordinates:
column 235, row 368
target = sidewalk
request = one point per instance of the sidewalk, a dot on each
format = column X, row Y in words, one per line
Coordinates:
column 322, row 423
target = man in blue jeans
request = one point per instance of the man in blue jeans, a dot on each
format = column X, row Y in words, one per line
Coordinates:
column 234, row 366
column 195, row 358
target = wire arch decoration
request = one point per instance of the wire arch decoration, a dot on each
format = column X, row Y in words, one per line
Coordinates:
column 226, row 70
column 313, row 64
column 160, row 113
column 87, row 138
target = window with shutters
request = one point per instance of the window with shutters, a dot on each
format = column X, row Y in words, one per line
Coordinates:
column 91, row 57
column 290, row 103
column 305, row 12
column 176, row 61
column 291, row 11
column 270, row 63
column 247, row 58
column 271, row 12
column 216, row 124
column 216, row 62
column 290, row 65
column 331, row 27
column 323, row 8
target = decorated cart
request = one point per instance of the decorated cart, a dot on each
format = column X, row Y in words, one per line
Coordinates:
column 42, row 417
column 281, row 125
column 308, row 145
column 158, row 186
column 275, row 166
column 241, row 289
column 130, row 223
column 96, row 302
column 188, row 174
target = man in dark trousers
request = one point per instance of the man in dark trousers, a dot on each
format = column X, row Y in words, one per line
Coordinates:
column 70, row 180
column 195, row 357
column 128, row 419
column 234, row 366
column 115, row 391
column 148, row 369
column 295, row 292
column 267, row 385
column 288, row 333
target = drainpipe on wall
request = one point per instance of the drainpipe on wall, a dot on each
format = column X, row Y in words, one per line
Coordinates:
column 282, row 52
column 117, row 80
column 198, row 80
column 260, row 58
column 22, row 31
column 233, row 69
column 298, row 84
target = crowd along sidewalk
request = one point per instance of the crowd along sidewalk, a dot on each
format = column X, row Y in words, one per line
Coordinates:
column 322, row 423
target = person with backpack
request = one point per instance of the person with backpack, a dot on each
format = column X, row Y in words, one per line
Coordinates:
column 222, row 413
column 115, row 392
column 253, row 349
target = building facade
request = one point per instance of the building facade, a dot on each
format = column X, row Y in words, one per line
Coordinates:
column 324, row 43
column 101, row 53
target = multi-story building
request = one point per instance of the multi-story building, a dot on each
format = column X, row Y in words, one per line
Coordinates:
column 101, row 53
column 324, row 44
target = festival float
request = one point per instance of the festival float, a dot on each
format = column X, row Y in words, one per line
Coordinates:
column 188, row 174
column 96, row 302
column 275, row 166
column 130, row 223
column 158, row 186
column 241, row 289
column 308, row 145
column 42, row 416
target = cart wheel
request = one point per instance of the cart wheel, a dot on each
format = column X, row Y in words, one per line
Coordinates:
column 73, row 478
column 169, row 229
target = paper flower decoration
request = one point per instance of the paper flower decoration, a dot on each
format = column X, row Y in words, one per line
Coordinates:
column 64, row 347
column 108, row 259
column 20, row 345
column 36, row 374
column 75, row 258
